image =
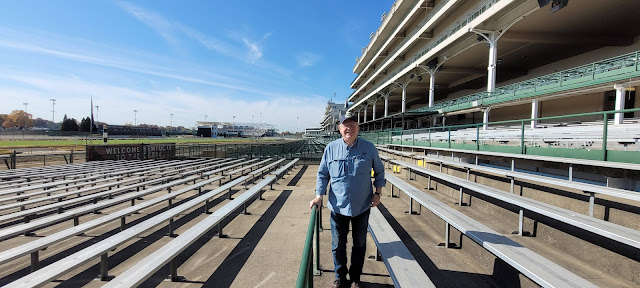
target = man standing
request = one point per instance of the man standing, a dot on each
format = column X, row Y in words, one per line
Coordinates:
column 346, row 164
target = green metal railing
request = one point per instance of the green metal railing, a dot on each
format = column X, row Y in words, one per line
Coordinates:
column 441, row 137
column 613, row 69
column 310, row 263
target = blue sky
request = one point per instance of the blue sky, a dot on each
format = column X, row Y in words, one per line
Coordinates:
column 284, row 59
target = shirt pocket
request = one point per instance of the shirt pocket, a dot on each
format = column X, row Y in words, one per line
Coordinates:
column 362, row 165
column 337, row 168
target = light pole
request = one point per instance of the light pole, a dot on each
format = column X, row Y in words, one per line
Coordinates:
column 97, row 112
column 297, row 124
column 205, row 117
column 135, row 117
column 234, row 121
column 26, row 124
column 53, row 111
column 171, row 120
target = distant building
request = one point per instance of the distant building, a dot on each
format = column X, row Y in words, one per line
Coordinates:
column 226, row 129
column 313, row 132
column 331, row 119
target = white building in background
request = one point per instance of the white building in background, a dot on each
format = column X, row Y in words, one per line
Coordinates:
column 313, row 132
column 331, row 118
column 226, row 129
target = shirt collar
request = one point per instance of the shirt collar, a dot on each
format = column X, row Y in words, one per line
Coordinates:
column 355, row 143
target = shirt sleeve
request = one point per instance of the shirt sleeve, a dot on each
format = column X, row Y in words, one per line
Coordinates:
column 323, row 174
column 378, row 170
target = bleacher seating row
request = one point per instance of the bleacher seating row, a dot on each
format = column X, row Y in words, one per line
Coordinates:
column 83, row 194
column 530, row 264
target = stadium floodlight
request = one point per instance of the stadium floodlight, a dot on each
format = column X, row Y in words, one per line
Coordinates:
column 53, row 111
column 135, row 117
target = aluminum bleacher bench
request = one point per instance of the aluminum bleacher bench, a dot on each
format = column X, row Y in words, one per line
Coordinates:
column 225, row 168
column 21, row 190
column 51, row 272
column 283, row 170
column 146, row 267
column 250, row 167
column 42, row 243
column 590, row 189
column 59, row 196
column 28, row 213
column 75, row 213
column 403, row 268
column 603, row 228
column 261, row 171
column 213, row 166
column 535, row 267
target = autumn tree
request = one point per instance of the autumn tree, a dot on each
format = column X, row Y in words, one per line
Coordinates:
column 18, row 118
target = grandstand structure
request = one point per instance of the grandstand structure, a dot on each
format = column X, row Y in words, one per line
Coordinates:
column 443, row 63
column 331, row 119
column 229, row 129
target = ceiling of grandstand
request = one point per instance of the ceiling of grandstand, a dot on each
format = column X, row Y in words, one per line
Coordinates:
column 537, row 39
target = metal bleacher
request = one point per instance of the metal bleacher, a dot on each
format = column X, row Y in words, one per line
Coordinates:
column 139, row 183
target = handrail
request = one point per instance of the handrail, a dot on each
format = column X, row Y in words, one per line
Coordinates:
column 566, row 78
column 307, row 269
column 387, row 137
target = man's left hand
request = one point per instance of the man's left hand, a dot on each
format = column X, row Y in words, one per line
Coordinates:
column 375, row 200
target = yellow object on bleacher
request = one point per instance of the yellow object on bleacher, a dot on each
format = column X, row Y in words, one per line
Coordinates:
column 396, row 168
column 421, row 163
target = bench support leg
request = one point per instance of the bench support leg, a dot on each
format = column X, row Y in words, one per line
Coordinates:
column 513, row 182
column 206, row 207
column 171, row 234
column 570, row 172
column 460, row 200
column 468, row 173
column 35, row 261
column 104, row 267
column 592, row 200
column 391, row 191
column 76, row 221
column 244, row 209
column 133, row 202
column 123, row 223
column 520, row 222
column 447, row 232
column 230, row 198
column 220, row 234
column 173, row 266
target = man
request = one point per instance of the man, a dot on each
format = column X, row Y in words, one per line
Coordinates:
column 346, row 164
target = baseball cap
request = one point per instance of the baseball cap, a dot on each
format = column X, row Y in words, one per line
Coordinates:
column 347, row 116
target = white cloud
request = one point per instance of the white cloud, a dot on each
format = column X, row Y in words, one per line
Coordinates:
column 255, row 51
column 306, row 59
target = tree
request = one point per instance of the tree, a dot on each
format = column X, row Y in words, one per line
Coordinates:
column 3, row 117
column 85, row 125
column 69, row 124
column 18, row 118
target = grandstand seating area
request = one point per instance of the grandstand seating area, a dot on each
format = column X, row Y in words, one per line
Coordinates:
column 146, row 196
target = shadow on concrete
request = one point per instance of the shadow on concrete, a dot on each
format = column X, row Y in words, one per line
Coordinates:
column 92, row 272
column 441, row 278
column 296, row 178
column 227, row 272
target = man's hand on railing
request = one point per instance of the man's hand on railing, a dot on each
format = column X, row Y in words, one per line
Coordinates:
column 316, row 201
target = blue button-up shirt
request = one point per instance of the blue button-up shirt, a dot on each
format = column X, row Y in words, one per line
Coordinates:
column 348, row 169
